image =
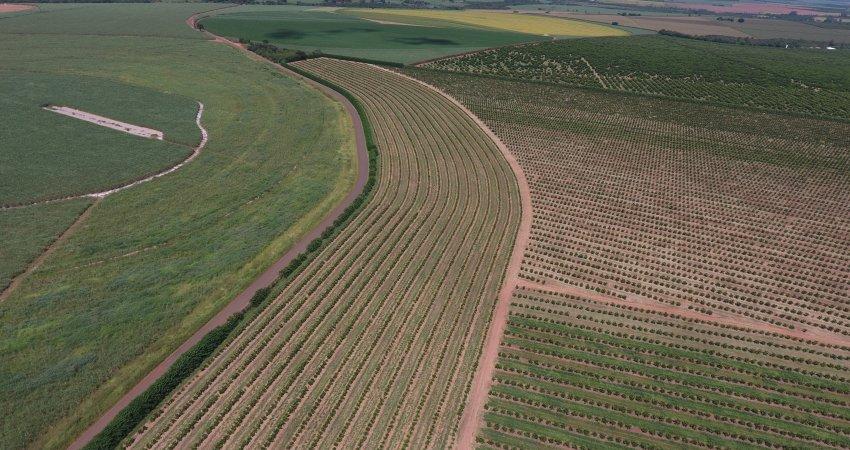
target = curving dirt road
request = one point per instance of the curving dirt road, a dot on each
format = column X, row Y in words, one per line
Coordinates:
column 481, row 383
column 241, row 301
column 473, row 411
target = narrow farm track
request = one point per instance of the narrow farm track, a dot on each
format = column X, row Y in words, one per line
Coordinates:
column 722, row 318
column 376, row 341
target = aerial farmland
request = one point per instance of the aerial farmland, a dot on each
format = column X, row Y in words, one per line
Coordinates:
column 436, row 224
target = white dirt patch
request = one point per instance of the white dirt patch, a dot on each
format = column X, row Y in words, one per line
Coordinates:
column 195, row 152
column 107, row 122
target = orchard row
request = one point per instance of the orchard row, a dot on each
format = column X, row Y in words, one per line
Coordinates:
column 374, row 342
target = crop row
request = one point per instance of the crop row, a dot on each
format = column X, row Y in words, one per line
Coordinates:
column 687, row 278
column 573, row 368
column 764, row 78
column 373, row 342
column 669, row 207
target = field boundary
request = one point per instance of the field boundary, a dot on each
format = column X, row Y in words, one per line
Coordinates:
column 285, row 266
column 473, row 411
column 51, row 247
column 145, row 178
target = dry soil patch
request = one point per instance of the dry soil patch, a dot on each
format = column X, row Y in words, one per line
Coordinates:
column 11, row 7
column 125, row 127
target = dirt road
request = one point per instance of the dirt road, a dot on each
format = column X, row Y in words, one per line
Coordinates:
column 241, row 301
column 474, row 409
column 11, row 7
column 719, row 318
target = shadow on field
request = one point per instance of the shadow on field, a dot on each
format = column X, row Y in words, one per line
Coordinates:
column 287, row 34
column 425, row 41
column 350, row 30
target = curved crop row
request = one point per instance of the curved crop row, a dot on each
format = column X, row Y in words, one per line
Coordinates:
column 374, row 340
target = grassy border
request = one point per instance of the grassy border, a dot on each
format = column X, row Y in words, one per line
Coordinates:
column 135, row 413
column 355, row 59
column 252, row 46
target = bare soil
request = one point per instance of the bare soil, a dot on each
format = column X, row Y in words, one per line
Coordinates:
column 124, row 127
column 751, row 8
column 12, row 7
column 689, row 25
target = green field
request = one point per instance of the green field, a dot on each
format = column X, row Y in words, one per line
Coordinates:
column 106, row 19
column 27, row 231
column 336, row 33
column 47, row 155
column 153, row 263
column 800, row 81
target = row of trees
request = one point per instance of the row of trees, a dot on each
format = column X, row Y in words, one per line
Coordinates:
column 774, row 42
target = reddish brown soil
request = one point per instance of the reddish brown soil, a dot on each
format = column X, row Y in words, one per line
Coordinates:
column 481, row 383
column 11, row 7
column 241, row 301
column 720, row 318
